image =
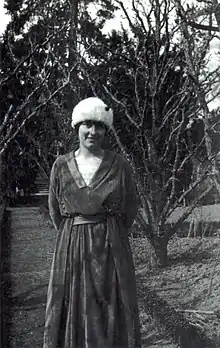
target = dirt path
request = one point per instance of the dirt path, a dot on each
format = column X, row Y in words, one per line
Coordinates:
column 28, row 252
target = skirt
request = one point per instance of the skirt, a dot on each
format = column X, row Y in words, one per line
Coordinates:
column 85, row 306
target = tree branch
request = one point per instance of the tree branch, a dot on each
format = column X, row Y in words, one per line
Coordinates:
column 202, row 26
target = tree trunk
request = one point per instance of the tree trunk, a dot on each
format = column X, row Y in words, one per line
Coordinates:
column 74, row 12
column 217, row 12
column 159, row 252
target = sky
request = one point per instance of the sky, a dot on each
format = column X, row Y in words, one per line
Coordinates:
column 213, row 62
column 4, row 18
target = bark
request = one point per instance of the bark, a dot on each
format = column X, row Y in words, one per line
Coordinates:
column 74, row 9
column 159, row 253
column 74, row 12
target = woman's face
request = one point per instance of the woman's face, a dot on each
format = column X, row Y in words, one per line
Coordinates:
column 91, row 134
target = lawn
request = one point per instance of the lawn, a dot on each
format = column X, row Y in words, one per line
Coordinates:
column 180, row 304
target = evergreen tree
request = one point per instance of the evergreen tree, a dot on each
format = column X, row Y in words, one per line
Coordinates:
column 41, row 79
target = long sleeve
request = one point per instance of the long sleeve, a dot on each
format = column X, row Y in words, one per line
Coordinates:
column 53, row 202
column 130, row 195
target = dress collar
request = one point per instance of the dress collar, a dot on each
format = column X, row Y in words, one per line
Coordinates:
column 98, row 176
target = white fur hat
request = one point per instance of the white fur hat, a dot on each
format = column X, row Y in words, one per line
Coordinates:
column 93, row 109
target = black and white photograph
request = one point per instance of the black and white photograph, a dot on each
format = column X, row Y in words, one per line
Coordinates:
column 110, row 174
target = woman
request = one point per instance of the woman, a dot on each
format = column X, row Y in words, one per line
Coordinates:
column 92, row 200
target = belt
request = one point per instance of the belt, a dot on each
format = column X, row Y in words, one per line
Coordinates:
column 79, row 219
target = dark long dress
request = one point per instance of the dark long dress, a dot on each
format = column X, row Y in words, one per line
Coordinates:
column 92, row 299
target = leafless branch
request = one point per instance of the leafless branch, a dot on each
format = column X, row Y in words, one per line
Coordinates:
column 117, row 101
column 24, row 60
column 139, row 17
column 13, row 134
column 202, row 26
column 132, row 26
column 4, row 123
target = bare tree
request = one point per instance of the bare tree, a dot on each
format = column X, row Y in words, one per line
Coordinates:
column 201, row 88
column 204, row 9
column 145, row 78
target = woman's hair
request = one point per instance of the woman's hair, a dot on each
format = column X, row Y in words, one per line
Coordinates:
column 76, row 127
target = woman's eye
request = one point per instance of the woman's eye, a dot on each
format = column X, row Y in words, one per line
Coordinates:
column 88, row 124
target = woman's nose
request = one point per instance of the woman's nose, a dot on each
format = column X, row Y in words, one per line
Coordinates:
column 93, row 129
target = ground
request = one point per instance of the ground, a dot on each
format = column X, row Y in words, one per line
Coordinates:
column 187, row 288
column 179, row 304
